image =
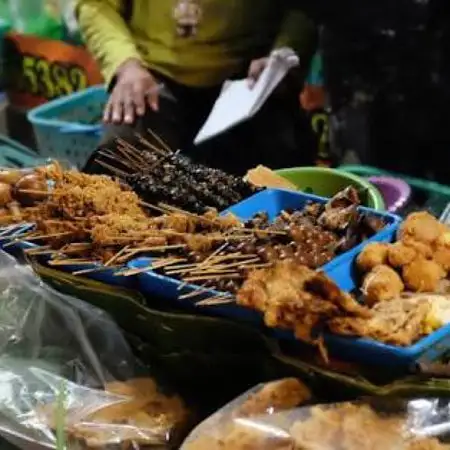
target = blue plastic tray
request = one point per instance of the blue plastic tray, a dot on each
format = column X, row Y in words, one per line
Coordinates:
column 271, row 201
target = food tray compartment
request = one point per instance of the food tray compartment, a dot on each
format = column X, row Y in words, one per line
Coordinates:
column 272, row 201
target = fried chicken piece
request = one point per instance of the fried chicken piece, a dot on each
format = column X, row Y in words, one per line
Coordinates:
column 382, row 284
column 421, row 226
column 295, row 297
column 399, row 255
column 423, row 275
column 372, row 255
column 279, row 395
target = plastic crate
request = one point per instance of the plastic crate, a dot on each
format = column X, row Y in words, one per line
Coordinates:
column 271, row 201
column 69, row 127
column 427, row 195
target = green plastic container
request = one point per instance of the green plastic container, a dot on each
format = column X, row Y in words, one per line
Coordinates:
column 327, row 182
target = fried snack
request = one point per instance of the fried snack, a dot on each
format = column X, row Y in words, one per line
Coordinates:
column 422, row 227
column 373, row 255
column 381, row 284
column 262, row 176
column 423, row 275
column 401, row 321
column 276, row 396
column 244, row 436
column 422, row 249
column 399, row 255
column 297, row 298
column 356, row 427
column 145, row 417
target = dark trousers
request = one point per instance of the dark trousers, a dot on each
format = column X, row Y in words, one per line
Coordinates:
column 278, row 136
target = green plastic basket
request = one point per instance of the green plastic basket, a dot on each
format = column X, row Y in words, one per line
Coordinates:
column 427, row 195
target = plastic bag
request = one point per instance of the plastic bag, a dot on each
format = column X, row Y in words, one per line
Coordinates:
column 371, row 424
column 60, row 360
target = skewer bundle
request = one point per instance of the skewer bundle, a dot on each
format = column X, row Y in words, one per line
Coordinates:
column 157, row 174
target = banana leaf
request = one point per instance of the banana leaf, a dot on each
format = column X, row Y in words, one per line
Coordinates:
column 216, row 359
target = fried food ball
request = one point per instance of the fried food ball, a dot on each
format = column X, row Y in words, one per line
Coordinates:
column 421, row 226
column 373, row 254
column 422, row 249
column 382, row 284
column 423, row 275
column 444, row 239
column 442, row 257
column 400, row 255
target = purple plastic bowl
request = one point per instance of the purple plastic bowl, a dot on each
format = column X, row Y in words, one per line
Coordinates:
column 395, row 191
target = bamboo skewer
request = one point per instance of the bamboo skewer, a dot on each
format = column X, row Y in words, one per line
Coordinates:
column 94, row 270
column 72, row 262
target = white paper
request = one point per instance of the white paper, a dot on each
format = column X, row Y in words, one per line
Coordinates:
column 238, row 102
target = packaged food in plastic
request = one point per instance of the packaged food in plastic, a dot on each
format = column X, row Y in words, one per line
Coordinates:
column 372, row 424
column 66, row 369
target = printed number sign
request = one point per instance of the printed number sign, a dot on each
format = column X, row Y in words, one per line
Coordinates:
column 38, row 70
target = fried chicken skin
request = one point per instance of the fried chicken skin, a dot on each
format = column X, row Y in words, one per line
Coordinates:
column 382, row 284
column 373, row 255
column 399, row 255
column 423, row 275
column 421, row 226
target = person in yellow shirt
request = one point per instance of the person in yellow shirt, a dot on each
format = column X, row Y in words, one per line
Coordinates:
column 165, row 61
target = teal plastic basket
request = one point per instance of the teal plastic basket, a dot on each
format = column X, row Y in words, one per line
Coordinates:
column 69, row 128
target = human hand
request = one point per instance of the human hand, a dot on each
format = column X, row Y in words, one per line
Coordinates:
column 255, row 70
column 135, row 90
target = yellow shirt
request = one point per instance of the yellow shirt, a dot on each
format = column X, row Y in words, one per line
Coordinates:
column 230, row 34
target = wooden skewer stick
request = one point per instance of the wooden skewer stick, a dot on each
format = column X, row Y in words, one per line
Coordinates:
column 227, row 276
column 198, row 290
column 47, row 236
column 94, row 270
column 72, row 262
column 131, row 153
column 150, row 206
column 34, row 191
column 111, row 156
column 116, row 256
column 218, row 300
column 42, row 250
column 160, row 141
column 152, row 147
column 112, row 169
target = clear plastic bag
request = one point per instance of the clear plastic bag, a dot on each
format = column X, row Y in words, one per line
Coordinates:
column 372, row 424
column 65, row 366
